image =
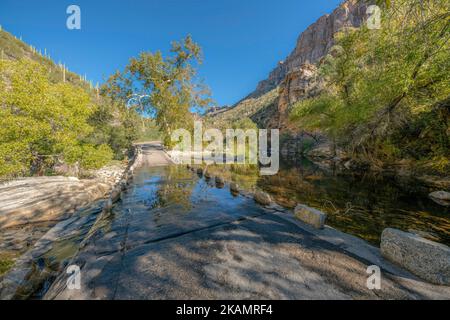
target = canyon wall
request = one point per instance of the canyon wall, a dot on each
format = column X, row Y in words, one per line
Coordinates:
column 296, row 78
column 315, row 42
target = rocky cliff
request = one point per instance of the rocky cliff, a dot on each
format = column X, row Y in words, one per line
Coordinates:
column 296, row 77
column 315, row 42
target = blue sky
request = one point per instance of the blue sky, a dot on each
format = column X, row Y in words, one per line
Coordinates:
column 242, row 40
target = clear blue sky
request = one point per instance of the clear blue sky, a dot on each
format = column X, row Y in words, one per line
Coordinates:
column 242, row 40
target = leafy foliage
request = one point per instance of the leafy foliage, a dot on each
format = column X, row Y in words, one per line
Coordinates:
column 41, row 121
column 167, row 87
column 383, row 86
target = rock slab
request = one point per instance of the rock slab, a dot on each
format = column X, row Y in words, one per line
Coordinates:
column 427, row 259
column 310, row 216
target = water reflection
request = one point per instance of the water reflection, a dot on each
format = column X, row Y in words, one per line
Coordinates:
column 359, row 205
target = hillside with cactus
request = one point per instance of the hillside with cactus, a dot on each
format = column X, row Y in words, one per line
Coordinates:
column 13, row 48
column 52, row 117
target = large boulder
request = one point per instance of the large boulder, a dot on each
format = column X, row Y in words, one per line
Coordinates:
column 427, row 259
column 310, row 216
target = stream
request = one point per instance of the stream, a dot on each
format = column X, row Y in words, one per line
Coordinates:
column 169, row 202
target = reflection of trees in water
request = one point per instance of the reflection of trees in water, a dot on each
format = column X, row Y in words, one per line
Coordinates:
column 176, row 189
column 245, row 175
column 360, row 205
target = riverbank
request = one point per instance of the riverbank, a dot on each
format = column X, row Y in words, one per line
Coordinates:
column 34, row 207
column 35, row 244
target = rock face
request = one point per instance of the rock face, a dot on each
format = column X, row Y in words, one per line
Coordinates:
column 427, row 259
column 296, row 77
column 300, row 83
column 30, row 206
column 314, row 43
column 310, row 216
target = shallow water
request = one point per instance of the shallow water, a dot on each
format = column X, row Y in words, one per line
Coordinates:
column 360, row 205
column 166, row 202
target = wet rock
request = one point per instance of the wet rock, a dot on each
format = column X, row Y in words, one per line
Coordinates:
column 108, row 206
column 207, row 175
column 262, row 198
column 200, row 172
column 220, row 183
column 427, row 259
column 311, row 216
column 219, row 180
column 115, row 195
column 440, row 197
column 234, row 193
column 276, row 207
column 234, row 187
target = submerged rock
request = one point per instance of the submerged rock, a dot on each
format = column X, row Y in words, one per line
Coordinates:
column 427, row 259
column 234, row 187
column 262, row 198
column 219, row 180
column 310, row 216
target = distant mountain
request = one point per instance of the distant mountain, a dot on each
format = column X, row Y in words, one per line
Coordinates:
column 258, row 109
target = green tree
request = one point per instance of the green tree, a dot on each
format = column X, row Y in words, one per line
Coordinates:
column 170, row 84
column 41, row 121
column 381, row 83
